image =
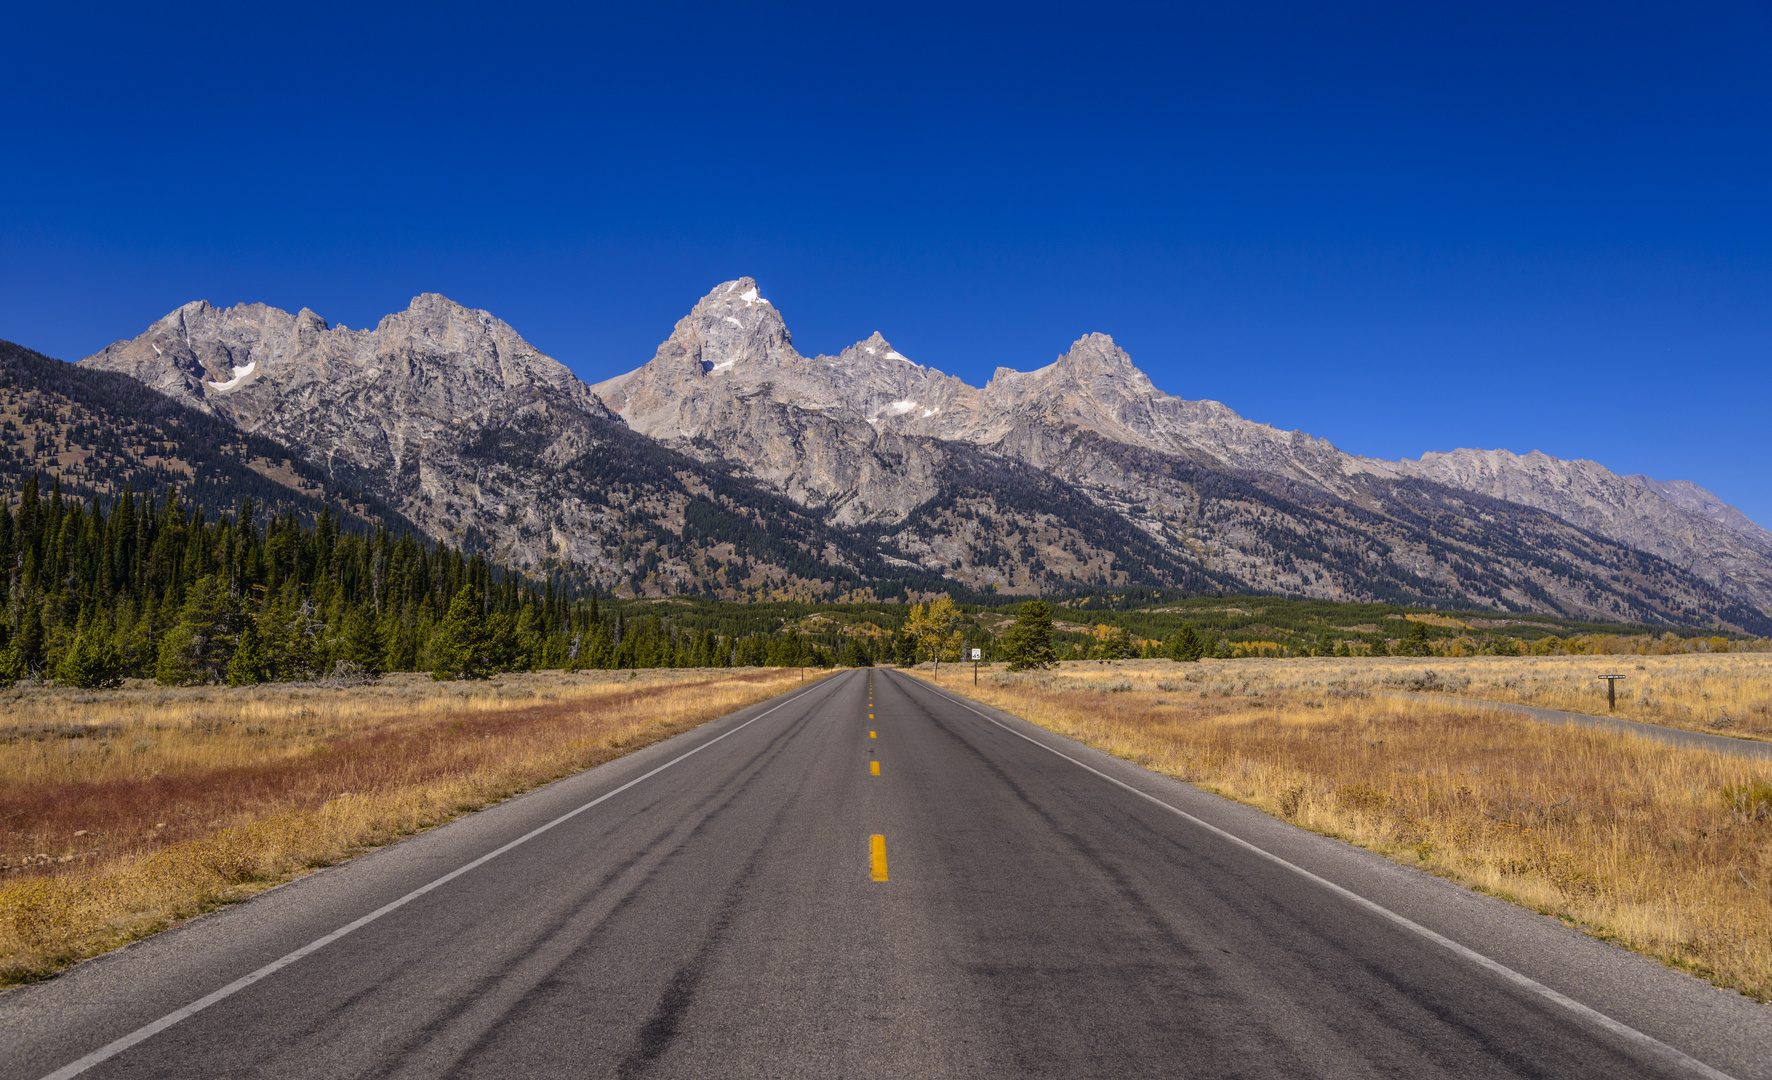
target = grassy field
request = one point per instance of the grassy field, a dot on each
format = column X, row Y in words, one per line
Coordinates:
column 1718, row 693
column 1664, row 850
column 124, row 811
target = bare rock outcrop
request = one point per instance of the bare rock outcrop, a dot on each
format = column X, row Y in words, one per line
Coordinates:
column 1078, row 472
column 859, row 435
column 1679, row 521
column 415, row 409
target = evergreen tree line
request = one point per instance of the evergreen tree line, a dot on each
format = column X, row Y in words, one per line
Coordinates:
column 96, row 590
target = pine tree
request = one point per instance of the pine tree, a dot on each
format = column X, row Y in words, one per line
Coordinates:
column 29, row 641
column 248, row 665
column 855, row 653
column 91, row 660
column 1186, row 645
column 463, row 640
column 198, row 647
column 12, row 666
column 1029, row 642
column 358, row 642
column 904, row 649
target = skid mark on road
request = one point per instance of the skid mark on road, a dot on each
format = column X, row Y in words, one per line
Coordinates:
column 662, row 1027
column 178, row 1016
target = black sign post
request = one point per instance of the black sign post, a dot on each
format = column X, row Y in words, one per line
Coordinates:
column 1611, row 691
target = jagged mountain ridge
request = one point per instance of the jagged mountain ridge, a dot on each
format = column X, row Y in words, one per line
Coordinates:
column 1694, row 499
column 886, row 452
column 98, row 432
column 729, row 384
column 483, row 441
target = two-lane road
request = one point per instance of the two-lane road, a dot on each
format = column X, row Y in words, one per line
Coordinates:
column 732, row 913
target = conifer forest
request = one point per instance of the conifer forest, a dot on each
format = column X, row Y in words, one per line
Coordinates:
column 145, row 586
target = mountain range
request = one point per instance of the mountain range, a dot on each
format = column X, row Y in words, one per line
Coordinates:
column 730, row 464
column 98, row 433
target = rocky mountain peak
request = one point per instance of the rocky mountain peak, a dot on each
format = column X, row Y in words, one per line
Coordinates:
column 240, row 361
column 1096, row 357
column 449, row 414
column 875, row 347
column 1094, row 386
column 415, row 407
column 195, row 311
column 1094, row 363
column 470, row 342
column 733, row 326
column 1696, row 500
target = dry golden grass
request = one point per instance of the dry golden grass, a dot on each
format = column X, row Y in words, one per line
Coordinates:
column 1664, row 850
column 124, row 811
column 1718, row 693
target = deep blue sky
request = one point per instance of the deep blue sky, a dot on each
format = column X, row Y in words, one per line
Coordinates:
column 1402, row 229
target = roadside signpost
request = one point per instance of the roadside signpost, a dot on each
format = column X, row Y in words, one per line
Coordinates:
column 1611, row 691
column 977, row 655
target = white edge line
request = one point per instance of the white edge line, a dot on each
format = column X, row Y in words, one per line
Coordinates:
column 1625, row 1031
column 148, row 1031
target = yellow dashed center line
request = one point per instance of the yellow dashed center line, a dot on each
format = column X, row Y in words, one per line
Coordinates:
column 877, row 856
column 873, row 734
column 874, row 768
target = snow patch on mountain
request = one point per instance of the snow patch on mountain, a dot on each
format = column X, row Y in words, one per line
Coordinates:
column 240, row 374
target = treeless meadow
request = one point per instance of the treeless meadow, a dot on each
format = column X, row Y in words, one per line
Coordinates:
column 124, row 811
column 1662, row 849
column 1717, row 693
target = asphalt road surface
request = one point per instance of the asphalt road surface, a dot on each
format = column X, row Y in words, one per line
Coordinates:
column 869, row 878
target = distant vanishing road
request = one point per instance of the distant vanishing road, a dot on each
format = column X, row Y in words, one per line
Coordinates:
column 775, row 905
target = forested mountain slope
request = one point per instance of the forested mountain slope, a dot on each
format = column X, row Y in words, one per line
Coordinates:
column 100, row 431
column 483, row 441
column 866, row 437
column 733, row 465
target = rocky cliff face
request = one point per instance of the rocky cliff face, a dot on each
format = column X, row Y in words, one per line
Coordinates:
column 861, row 437
column 858, row 434
column 479, row 439
column 836, row 433
column 1679, row 521
column 97, row 432
column 408, row 409
column 1079, row 472
column 1695, row 500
